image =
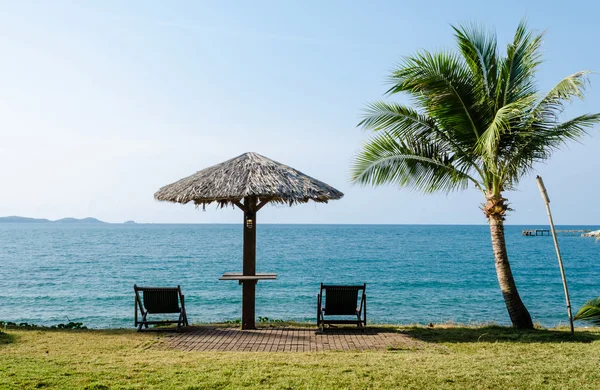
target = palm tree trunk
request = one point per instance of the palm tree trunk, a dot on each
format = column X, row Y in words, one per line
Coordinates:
column 516, row 309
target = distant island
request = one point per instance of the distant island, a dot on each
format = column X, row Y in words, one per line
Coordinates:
column 15, row 219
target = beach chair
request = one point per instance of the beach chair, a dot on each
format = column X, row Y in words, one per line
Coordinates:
column 337, row 300
column 159, row 300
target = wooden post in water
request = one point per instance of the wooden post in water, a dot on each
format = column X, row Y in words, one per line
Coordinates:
column 249, row 269
column 560, row 262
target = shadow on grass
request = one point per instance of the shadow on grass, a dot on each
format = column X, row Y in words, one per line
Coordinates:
column 6, row 338
column 491, row 334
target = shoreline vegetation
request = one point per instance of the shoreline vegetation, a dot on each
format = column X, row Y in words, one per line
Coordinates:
column 442, row 356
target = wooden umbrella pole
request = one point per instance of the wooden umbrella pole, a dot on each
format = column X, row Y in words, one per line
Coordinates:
column 560, row 262
column 249, row 269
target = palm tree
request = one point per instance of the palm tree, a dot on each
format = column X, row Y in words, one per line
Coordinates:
column 477, row 120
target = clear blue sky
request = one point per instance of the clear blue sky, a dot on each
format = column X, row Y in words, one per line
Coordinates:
column 102, row 103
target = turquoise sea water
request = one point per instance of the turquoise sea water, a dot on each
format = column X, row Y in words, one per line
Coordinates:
column 52, row 273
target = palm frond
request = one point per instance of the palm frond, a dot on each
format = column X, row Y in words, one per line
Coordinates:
column 401, row 121
column 538, row 144
column 552, row 105
column 590, row 312
column 501, row 127
column 408, row 163
column 570, row 130
column 479, row 48
column 442, row 85
column 517, row 69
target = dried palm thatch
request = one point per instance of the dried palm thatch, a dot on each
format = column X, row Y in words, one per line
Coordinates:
column 247, row 175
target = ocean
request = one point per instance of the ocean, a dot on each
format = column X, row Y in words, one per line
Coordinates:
column 55, row 273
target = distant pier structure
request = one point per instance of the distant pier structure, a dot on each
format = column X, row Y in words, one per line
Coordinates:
column 547, row 232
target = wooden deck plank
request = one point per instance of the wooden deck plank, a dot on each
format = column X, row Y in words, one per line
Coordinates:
column 206, row 338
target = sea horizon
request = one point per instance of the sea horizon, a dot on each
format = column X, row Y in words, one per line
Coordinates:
column 131, row 222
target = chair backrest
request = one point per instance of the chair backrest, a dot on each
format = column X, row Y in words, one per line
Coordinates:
column 341, row 300
column 160, row 299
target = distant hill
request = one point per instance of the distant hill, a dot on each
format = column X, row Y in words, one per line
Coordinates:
column 23, row 219
column 15, row 219
column 82, row 220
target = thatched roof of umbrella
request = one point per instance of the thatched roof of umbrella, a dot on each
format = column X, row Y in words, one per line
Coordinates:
column 248, row 175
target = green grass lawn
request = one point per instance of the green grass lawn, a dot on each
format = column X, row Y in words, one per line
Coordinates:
column 444, row 357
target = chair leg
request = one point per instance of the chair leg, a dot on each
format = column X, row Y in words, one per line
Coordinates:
column 321, row 320
column 142, row 322
column 359, row 322
column 179, row 322
column 319, row 310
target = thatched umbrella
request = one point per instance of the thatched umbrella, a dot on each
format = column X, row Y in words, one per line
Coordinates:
column 249, row 182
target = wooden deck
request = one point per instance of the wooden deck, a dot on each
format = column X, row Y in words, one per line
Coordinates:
column 205, row 338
